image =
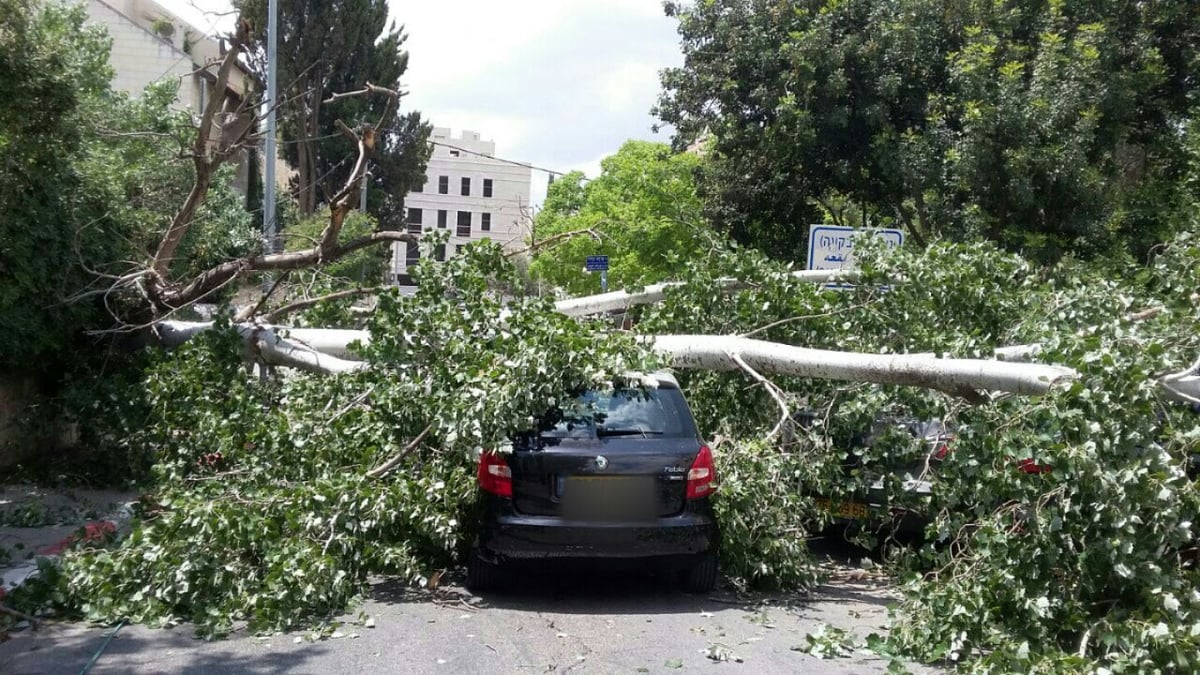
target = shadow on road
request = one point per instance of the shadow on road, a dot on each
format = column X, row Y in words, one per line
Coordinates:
column 67, row 647
column 573, row 587
column 630, row 587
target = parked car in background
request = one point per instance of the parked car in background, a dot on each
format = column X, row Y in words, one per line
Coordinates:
column 618, row 473
column 869, row 506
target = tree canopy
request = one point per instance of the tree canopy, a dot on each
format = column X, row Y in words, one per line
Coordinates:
column 1050, row 128
column 642, row 211
column 87, row 180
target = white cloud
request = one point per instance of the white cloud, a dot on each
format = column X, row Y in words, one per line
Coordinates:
column 591, row 167
column 627, row 88
column 450, row 41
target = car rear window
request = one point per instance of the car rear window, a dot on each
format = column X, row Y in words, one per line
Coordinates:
column 632, row 412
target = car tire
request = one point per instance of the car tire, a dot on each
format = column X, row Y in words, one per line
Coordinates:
column 701, row 577
column 481, row 574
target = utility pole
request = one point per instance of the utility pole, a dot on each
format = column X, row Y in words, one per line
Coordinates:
column 362, row 196
column 270, row 152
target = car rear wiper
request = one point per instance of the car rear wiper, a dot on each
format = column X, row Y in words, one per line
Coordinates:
column 602, row 432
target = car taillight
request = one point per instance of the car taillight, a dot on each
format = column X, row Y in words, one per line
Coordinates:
column 701, row 478
column 1027, row 465
column 494, row 475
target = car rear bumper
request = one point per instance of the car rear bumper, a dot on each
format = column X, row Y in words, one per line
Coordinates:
column 875, row 512
column 508, row 534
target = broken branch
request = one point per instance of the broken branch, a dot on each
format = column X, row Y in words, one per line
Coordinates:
column 387, row 466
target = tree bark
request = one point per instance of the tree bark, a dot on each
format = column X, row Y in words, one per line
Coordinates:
column 206, row 161
column 954, row 376
column 266, row 344
column 214, row 278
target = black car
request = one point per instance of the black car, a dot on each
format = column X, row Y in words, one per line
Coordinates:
column 620, row 473
column 869, row 507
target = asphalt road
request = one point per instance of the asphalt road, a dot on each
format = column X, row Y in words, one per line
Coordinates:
column 565, row 619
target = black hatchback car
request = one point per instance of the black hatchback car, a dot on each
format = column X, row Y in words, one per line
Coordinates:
column 620, row 473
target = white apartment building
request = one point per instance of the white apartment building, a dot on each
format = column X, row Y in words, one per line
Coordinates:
column 150, row 43
column 468, row 192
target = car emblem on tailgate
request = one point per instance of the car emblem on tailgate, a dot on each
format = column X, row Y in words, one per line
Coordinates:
column 601, row 462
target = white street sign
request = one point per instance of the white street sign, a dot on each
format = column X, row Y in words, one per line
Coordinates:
column 831, row 247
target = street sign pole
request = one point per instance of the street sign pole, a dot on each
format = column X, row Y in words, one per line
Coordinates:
column 598, row 263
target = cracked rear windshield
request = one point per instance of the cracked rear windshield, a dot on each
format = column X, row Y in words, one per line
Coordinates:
column 629, row 412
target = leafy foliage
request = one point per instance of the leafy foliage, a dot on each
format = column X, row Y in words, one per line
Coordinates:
column 765, row 516
column 53, row 69
column 642, row 209
column 90, row 177
column 1050, row 128
column 264, row 509
column 1090, row 563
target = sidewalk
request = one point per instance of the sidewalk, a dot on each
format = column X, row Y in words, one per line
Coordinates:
column 42, row 522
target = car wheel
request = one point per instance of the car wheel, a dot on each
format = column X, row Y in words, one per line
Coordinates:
column 701, row 577
column 481, row 574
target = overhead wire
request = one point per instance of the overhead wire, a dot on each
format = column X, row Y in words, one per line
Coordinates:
column 514, row 162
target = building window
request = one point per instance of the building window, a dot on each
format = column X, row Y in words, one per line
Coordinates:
column 464, row 223
column 414, row 220
column 487, row 187
column 412, row 254
column 420, row 186
column 458, row 248
column 466, row 187
column 439, row 252
column 441, row 217
column 443, row 185
column 454, row 153
column 485, row 222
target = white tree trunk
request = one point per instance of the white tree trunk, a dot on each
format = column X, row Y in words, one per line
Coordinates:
column 619, row 300
column 712, row 352
column 328, row 351
column 267, row 344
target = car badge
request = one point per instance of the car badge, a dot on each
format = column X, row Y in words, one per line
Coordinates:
column 601, row 462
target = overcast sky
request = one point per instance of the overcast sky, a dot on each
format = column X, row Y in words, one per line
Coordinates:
column 556, row 83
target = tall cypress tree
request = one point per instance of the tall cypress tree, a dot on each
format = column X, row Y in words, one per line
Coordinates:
column 329, row 47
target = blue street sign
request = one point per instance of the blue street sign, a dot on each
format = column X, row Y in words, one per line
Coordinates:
column 597, row 263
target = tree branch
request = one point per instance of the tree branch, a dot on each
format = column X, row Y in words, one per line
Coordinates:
column 785, row 419
column 554, row 240
column 204, row 162
column 252, row 310
column 227, row 271
column 387, row 466
column 33, row 623
column 280, row 312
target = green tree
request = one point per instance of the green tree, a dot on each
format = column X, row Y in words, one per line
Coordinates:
column 1047, row 127
column 643, row 211
column 51, row 66
column 338, row 47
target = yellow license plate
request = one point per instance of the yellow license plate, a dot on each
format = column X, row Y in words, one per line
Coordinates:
column 854, row 510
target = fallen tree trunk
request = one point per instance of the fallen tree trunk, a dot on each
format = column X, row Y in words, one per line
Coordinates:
column 956, row 376
column 265, row 343
column 328, row 351
column 620, row 300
